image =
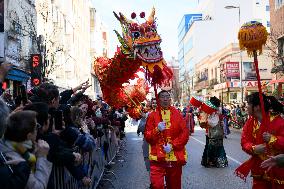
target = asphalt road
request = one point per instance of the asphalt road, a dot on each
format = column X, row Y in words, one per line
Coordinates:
column 131, row 173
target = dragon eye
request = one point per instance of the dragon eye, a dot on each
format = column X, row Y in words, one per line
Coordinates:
column 136, row 34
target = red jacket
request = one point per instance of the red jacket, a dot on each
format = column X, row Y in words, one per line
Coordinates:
column 274, row 147
column 176, row 133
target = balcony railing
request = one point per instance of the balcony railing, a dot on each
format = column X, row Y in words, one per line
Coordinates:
column 213, row 81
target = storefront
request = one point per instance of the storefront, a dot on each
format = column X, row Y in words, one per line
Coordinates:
column 230, row 92
column 14, row 79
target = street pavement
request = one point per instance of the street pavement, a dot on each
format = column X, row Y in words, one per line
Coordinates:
column 131, row 173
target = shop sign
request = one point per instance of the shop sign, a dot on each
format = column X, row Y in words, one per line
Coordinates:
column 36, row 66
column 220, row 86
column 232, row 70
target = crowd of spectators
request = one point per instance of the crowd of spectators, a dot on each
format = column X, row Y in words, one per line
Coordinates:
column 51, row 129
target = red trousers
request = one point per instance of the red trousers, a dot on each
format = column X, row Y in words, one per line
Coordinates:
column 172, row 175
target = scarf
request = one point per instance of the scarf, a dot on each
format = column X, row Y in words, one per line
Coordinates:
column 23, row 149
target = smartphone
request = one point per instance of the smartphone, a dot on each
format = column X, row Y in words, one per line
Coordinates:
column 18, row 101
column 24, row 95
column 58, row 118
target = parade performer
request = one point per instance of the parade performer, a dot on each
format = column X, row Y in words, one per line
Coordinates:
column 262, row 145
column 210, row 118
column 189, row 119
column 167, row 140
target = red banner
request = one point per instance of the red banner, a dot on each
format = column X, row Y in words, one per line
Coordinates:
column 232, row 70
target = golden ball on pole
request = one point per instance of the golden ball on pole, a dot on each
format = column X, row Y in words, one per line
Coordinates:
column 252, row 36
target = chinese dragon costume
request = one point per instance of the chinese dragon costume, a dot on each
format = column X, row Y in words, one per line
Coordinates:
column 139, row 51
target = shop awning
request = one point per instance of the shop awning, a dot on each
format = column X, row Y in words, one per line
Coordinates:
column 276, row 81
column 16, row 74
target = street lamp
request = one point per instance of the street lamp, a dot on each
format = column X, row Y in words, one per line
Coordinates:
column 241, row 57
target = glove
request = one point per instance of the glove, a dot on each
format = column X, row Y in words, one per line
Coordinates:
column 162, row 126
column 167, row 148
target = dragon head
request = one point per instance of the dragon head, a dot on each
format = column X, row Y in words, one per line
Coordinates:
column 140, row 40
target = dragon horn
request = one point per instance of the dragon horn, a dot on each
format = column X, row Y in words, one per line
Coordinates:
column 117, row 17
column 152, row 16
column 124, row 19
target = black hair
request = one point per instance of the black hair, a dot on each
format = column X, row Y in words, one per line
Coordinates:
column 46, row 92
column 51, row 90
column 215, row 101
column 163, row 91
column 41, row 109
column 270, row 102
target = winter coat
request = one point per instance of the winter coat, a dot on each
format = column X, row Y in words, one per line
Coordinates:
column 37, row 179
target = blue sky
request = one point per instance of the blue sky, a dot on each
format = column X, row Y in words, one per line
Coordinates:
column 169, row 13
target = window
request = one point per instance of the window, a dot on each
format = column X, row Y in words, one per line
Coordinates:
column 188, row 45
column 233, row 96
column 279, row 3
column 268, row 24
column 267, row 8
column 16, row 27
column 281, row 46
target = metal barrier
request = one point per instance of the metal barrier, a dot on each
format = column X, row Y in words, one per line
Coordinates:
column 97, row 163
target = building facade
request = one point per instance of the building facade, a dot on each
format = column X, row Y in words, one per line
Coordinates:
column 219, row 74
column 185, row 45
column 99, row 46
column 68, row 30
column 18, row 40
column 219, row 27
column 277, row 34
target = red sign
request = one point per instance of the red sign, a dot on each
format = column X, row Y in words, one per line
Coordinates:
column 232, row 70
column 36, row 69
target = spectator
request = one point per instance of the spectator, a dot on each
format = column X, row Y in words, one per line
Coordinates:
column 19, row 139
column 4, row 112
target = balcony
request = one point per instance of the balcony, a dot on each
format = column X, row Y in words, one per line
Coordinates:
column 201, row 85
column 212, row 82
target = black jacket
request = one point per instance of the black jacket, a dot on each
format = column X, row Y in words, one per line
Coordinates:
column 14, row 176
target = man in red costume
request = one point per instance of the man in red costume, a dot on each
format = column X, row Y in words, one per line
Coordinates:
column 167, row 136
column 262, row 141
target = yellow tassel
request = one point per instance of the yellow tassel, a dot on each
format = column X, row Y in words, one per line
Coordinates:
column 252, row 36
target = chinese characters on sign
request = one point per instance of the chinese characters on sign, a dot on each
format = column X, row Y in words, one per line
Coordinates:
column 36, row 69
column 232, row 70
